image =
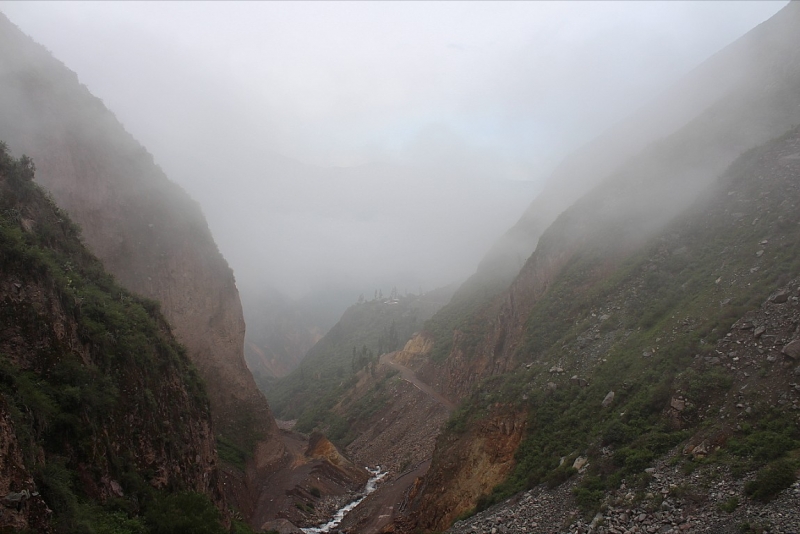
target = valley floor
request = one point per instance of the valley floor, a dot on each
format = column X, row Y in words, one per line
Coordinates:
column 399, row 438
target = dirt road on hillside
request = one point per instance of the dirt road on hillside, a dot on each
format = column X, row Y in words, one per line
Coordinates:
column 409, row 376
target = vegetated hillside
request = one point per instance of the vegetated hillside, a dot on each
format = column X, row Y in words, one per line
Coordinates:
column 686, row 338
column 329, row 370
column 740, row 97
column 147, row 232
column 103, row 419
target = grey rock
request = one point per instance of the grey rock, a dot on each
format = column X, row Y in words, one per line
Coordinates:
column 780, row 297
column 792, row 350
column 282, row 526
column 580, row 462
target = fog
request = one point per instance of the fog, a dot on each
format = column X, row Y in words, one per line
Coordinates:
column 367, row 145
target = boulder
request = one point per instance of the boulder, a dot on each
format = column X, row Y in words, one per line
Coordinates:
column 780, row 297
column 701, row 450
column 575, row 381
column 281, row 526
column 792, row 350
column 609, row 398
column 580, row 462
column 677, row 404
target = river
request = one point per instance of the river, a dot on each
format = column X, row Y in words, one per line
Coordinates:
column 372, row 484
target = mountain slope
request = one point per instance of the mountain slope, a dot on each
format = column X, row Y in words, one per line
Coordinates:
column 145, row 229
column 479, row 344
column 692, row 332
column 101, row 413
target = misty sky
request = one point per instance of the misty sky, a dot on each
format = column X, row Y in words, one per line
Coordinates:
column 372, row 142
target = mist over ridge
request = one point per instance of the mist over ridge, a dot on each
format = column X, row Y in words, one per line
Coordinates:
column 361, row 146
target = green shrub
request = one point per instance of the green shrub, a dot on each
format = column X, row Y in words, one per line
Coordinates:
column 240, row 527
column 771, row 480
column 560, row 475
column 589, row 494
column 764, row 445
column 230, row 452
column 633, row 460
column 96, row 520
column 54, row 481
column 730, row 505
column 183, row 513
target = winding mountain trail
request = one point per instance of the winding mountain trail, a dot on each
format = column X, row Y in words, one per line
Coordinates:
column 409, row 376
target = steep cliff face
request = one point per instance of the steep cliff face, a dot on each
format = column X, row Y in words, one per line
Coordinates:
column 97, row 400
column 145, row 229
column 15, row 480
